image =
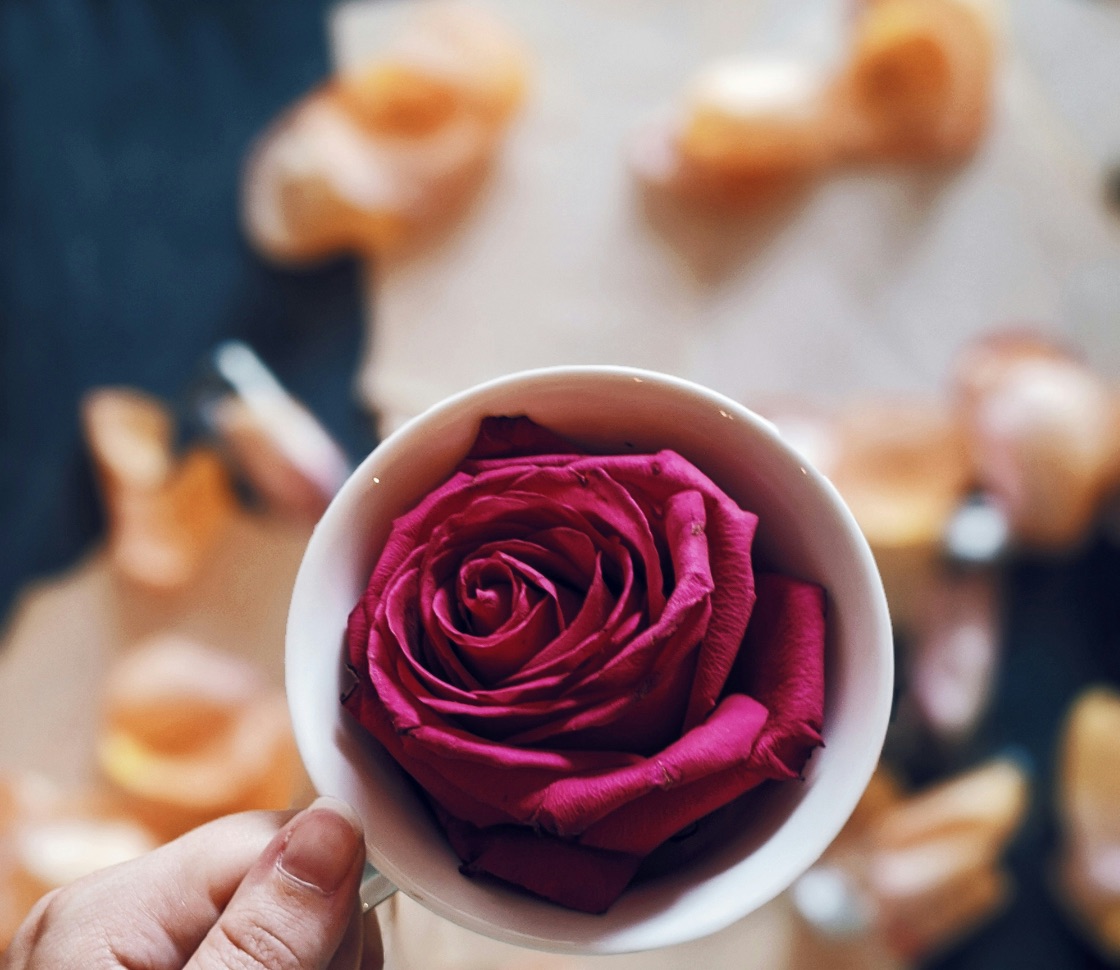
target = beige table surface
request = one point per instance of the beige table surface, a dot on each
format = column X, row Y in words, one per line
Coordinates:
column 64, row 632
column 865, row 284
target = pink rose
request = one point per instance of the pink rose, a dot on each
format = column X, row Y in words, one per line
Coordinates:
column 574, row 658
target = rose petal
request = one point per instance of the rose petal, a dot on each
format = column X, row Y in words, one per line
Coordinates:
column 399, row 623
column 730, row 533
column 572, row 875
column 519, row 437
column 607, row 510
column 782, row 664
column 486, row 589
column 710, row 766
column 587, row 635
column 491, row 658
column 564, row 792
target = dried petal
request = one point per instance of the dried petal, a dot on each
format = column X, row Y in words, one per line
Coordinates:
column 745, row 130
column 1088, row 799
column 919, row 84
column 166, row 512
column 191, row 734
column 1043, row 433
column 379, row 153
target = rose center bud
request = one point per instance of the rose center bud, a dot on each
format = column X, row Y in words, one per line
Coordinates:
column 506, row 613
column 486, row 591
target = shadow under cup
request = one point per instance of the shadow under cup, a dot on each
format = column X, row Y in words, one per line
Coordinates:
column 804, row 530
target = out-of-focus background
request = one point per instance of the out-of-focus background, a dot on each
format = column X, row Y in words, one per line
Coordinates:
column 240, row 241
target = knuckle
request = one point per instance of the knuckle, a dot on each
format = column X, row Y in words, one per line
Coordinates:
column 246, row 944
column 32, row 937
column 50, row 912
column 49, row 908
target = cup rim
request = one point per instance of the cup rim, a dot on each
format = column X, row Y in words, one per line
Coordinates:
column 600, row 938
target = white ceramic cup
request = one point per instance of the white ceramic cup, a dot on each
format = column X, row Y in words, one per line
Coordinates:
column 804, row 530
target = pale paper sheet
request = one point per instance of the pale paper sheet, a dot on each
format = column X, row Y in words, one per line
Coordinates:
column 865, row 284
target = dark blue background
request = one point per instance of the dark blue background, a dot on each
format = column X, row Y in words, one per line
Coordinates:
column 123, row 124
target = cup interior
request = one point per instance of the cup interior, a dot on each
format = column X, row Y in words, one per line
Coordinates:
column 804, row 530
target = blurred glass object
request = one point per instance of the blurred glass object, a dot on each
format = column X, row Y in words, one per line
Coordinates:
column 282, row 451
column 978, row 533
column 165, row 511
column 376, row 155
column 1088, row 797
column 955, row 653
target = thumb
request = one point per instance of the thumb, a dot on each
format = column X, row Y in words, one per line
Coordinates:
column 293, row 907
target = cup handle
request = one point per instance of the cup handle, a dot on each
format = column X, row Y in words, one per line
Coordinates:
column 375, row 888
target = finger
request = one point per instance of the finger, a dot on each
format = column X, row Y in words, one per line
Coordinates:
column 193, row 878
column 293, row 908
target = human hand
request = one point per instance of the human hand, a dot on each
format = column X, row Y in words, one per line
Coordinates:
column 256, row 891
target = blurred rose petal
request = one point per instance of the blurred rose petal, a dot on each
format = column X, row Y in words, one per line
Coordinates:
column 166, row 512
column 377, row 154
column 1043, row 433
